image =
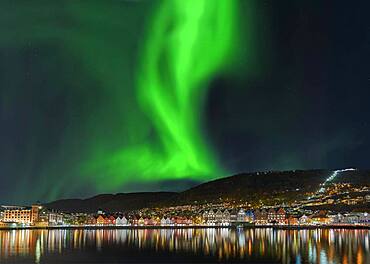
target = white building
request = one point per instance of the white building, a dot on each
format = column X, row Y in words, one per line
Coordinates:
column 55, row 219
column 304, row 219
column 364, row 218
column 165, row 221
column 121, row 221
column 218, row 218
column 226, row 217
column 240, row 216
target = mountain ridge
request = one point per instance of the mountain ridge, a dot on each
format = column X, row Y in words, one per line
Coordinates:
column 253, row 187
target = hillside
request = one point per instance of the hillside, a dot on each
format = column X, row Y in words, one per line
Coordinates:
column 111, row 202
column 251, row 187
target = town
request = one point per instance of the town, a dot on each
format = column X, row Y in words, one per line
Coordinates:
column 38, row 216
column 305, row 213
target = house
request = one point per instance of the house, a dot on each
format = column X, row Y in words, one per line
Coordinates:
column 141, row 221
column 351, row 218
column 100, row 220
column 168, row 221
column 249, row 216
column 320, row 218
column 219, row 217
column 154, row 221
column 90, row 220
column 233, row 215
column 280, row 216
column 163, row 221
column 337, row 219
column 261, row 217
column 271, row 215
column 110, row 220
column 364, row 218
column 179, row 220
column 276, row 216
column 55, row 218
column 304, row 220
column 121, row 221
column 240, row 216
column 209, row 217
column 226, row 217
column 291, row 220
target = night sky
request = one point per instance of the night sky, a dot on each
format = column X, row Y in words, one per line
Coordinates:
column 118, row 96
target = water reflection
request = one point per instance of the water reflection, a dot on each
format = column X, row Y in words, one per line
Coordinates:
column 286, row 246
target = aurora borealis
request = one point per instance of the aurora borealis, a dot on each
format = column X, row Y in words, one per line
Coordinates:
column 187, row 42
column 115, row 96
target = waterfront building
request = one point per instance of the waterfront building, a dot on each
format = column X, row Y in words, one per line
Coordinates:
column 100, row 220
column 364, row 218
column 134, row 220
column 150, row 221
column 110, row 220
column 205, row 216
column 182, row 220
column 169, row 221
column 166, row 221
column 276, row 217
column 35, row 213
column 280, row 216
column 219, row 217
column 261, row 217
column 90, row 220
column 249, row 216
column 163, row 221
column 141, row 221
column 70, row 219
column 320, row 219
column 233, row 215
column 226, row 217
column 271, row 215
column 351, row 218
column 211, row 219
column 55, row 218
column 153, row 221
column 121, row 221
column 304, row 220
column 291, row 220
column 21, row 214
column 337, row 219
column 240, row 216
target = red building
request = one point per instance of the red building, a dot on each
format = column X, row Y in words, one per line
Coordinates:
column 276, row 217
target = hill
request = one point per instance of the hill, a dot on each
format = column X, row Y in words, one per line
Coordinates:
column 111, row 202
column 279, row 186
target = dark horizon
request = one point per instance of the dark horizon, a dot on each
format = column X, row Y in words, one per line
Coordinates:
column 164, row 186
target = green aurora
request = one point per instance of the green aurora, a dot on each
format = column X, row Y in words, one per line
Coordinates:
column 186, row 43
column 135, row 114
column 148, row 95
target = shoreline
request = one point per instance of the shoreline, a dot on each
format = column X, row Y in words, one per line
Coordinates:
column 355, row 227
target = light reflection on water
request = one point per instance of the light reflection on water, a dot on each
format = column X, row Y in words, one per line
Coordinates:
column 223, row 244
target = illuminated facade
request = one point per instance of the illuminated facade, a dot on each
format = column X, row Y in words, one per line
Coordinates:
column 55, row 218
column 219, row 217
column 22, row 215
column 277, row 217
column 261, row 217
